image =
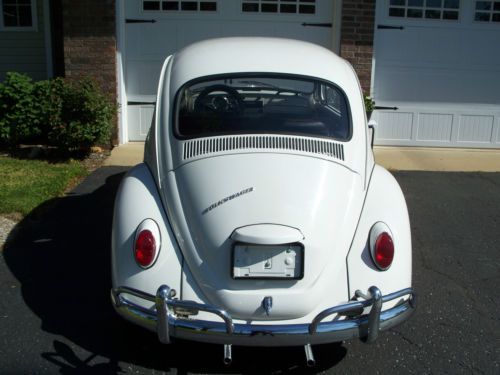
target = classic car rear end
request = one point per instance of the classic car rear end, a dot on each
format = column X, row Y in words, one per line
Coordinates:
column 259, row 216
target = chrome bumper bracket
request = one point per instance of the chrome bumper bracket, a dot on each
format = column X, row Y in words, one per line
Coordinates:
column 163, row 319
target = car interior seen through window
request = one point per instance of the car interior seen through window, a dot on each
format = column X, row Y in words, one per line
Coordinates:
column 262, row 104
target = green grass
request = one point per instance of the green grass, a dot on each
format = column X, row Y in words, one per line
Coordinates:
column 25, row 184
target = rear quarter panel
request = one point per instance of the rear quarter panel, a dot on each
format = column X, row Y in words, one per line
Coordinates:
column 137, row 200
column 384, row 202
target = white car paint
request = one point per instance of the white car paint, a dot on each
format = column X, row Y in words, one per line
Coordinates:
column 206, row 194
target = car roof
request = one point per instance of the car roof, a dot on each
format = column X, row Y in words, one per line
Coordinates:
column 259, row 55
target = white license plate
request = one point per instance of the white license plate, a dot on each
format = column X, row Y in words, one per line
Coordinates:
column 268, row 261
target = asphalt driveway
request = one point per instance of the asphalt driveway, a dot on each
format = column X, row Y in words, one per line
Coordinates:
column 55, row 314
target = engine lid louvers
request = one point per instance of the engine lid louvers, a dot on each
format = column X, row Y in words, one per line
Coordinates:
column 213, row 145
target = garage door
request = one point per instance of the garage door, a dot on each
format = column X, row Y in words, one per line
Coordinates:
column 155, row 29
column 438, row 62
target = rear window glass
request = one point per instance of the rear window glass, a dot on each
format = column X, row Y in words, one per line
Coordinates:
column 262, row 104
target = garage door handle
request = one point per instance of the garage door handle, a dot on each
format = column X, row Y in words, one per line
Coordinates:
column 132, row 20
column 317, row 24
column 381, row 107
column 389, row 27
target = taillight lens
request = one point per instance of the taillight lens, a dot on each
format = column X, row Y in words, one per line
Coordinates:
column 384, row 251
column 381, row 246
column 147, row 243
column 145, row 248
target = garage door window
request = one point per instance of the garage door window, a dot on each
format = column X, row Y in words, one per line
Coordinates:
column 487, row 11
column 279, row 6
column 425, row 9
column 169, row 5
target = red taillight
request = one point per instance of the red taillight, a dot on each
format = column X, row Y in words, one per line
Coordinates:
column 145, row 248
column 381, row 245
column 383, row 252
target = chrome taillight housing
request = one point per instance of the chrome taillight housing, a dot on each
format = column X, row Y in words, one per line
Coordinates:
column 381, row 246
column 147, row 243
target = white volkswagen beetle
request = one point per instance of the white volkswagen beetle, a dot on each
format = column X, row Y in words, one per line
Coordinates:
column 258, row 216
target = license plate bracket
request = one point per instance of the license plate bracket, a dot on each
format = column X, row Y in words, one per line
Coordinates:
column 251, row 261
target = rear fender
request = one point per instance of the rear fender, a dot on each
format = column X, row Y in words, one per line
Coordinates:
column 138, row 199
column 384, row 202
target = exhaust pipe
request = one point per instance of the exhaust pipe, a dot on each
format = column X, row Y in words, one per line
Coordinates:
column 228, row 357
column 310, row 361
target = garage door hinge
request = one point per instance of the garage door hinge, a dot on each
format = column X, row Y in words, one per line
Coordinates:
column 141, row 103
column 317, row 24
column 131, row 20
column 382, row 107
column 389, row 27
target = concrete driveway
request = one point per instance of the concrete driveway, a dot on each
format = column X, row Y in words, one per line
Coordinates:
column 55, row 314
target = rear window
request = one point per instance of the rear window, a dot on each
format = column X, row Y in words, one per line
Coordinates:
column 262, row 104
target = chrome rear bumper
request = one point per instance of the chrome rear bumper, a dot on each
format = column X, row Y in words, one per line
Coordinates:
column 164, row 321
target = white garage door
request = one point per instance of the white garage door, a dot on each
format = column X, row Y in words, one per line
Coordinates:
column 438, row 62
column 155, row 29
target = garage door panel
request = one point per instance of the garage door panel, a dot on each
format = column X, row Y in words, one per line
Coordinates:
column 147, row 43
column 142, row 78
column 427, row 85
column 482, row 50
column 396, row 126
column 204, row 30
column 475, row 129
column 498, row 130
column 247, row 28
column 419, row 46
column 438, row 47
column 139, row 120
column 387, row 53
column 446, row 72
column 434, row 127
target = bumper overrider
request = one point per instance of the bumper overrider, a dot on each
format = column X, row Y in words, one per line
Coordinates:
column 164, row 320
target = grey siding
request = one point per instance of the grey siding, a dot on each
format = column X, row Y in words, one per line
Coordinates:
column 24, row 51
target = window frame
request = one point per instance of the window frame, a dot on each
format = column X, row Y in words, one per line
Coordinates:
column 490, row 12
column 34, row 19
column 279, row 4
column 424, row 8
column 174, row 118
column 180, row 10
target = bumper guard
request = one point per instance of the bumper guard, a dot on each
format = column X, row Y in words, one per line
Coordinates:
column 167, row 324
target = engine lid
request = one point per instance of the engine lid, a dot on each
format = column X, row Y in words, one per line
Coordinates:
column 217, row 202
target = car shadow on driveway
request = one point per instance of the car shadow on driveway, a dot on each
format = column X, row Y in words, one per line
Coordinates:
column 60, row 254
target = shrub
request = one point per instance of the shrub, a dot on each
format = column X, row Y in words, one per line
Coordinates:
column 369, row 103
column 69, row 114
column 22, row 111
column 84, row 116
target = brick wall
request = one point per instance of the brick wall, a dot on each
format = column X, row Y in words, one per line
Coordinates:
column 356, row 40
column 89, row 42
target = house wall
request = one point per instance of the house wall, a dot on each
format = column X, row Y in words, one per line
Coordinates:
column 89, row 42
column 24, row 51
column 356, row 37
